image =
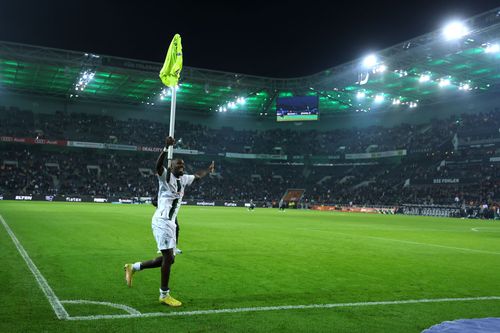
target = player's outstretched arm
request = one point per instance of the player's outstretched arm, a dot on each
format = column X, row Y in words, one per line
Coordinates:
column 202, row 173
column 169, row 141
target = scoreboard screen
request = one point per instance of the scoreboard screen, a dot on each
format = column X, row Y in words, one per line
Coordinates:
column 300, row 108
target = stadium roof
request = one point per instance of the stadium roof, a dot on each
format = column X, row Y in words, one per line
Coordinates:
column 416, row 72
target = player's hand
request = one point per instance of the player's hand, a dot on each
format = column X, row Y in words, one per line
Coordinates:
column 169, row 141
column 211, row 167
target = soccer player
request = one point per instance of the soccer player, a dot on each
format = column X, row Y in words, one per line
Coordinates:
column 172, row 182
column 251, row 206
column 281, row 205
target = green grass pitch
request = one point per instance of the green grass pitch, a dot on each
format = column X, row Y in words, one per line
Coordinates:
column 237, row 259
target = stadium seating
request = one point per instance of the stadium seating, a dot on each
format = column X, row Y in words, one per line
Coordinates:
column 442, row 149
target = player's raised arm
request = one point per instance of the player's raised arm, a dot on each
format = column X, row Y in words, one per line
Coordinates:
column 202, row 173
column 169, row 141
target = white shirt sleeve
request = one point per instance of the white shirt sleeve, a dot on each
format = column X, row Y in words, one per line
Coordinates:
column 163, row 176
column 188, row 179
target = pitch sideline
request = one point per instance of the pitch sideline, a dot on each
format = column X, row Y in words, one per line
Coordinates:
column 284, row 307
column 54, row 301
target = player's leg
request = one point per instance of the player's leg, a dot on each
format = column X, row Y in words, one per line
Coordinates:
column 154, row 263
column 166, row 265
column 130, row 269
column 164, row 237
column 177, row 250
column 177, row 230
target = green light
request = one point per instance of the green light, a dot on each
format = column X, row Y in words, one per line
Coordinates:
column 437, row 62
column 476, row 50
column 481, row 71
column 461, row 66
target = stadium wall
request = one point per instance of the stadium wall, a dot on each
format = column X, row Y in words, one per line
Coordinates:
column 469, row 104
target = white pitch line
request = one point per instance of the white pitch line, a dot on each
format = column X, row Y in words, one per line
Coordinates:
column 486, row 229
column 411, row 242
column 283, row 307
column 42, row 283
column 432, row 245
column 123, row 307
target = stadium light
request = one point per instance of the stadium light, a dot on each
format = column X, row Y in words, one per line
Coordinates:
column 401, row 72
column 492, row 48
column 455, row 30
column 369, row 61
column 380, row 68
column 424, row 78
column 379, row 98
column 232, row 104
column 444, row 82
column 465, row 87
column 84, row 79
column 164, row 93
column 360, row 94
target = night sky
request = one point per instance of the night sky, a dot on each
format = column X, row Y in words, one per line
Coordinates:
column 253, row 37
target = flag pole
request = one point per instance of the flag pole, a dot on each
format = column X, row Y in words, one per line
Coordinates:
column 172, row 123
column 169, row 75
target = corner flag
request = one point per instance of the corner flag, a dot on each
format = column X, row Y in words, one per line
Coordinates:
column 172, row 67
column 169, row 75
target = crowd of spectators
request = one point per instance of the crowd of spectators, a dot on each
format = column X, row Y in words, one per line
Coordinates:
column 101, row 128
column 433, row 153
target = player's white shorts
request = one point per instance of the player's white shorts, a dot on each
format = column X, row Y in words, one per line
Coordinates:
column 164, row 233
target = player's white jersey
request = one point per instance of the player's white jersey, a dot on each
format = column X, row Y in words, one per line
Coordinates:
column 170, row 193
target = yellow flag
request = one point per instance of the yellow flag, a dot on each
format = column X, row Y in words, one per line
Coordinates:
column 172, row 67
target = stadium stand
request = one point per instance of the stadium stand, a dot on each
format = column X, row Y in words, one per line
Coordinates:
column 445, row 159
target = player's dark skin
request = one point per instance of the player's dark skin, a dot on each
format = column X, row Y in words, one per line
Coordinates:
column 166, row 260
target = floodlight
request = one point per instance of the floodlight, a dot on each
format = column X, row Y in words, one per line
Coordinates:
column 424, row 78
column 444, row 82
column 465, row 86
column 401, row 72
column 455, row 30
column 379, row 98
column 369, row 61
column 492, row 48
column 84, row 79
column 380, row 68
